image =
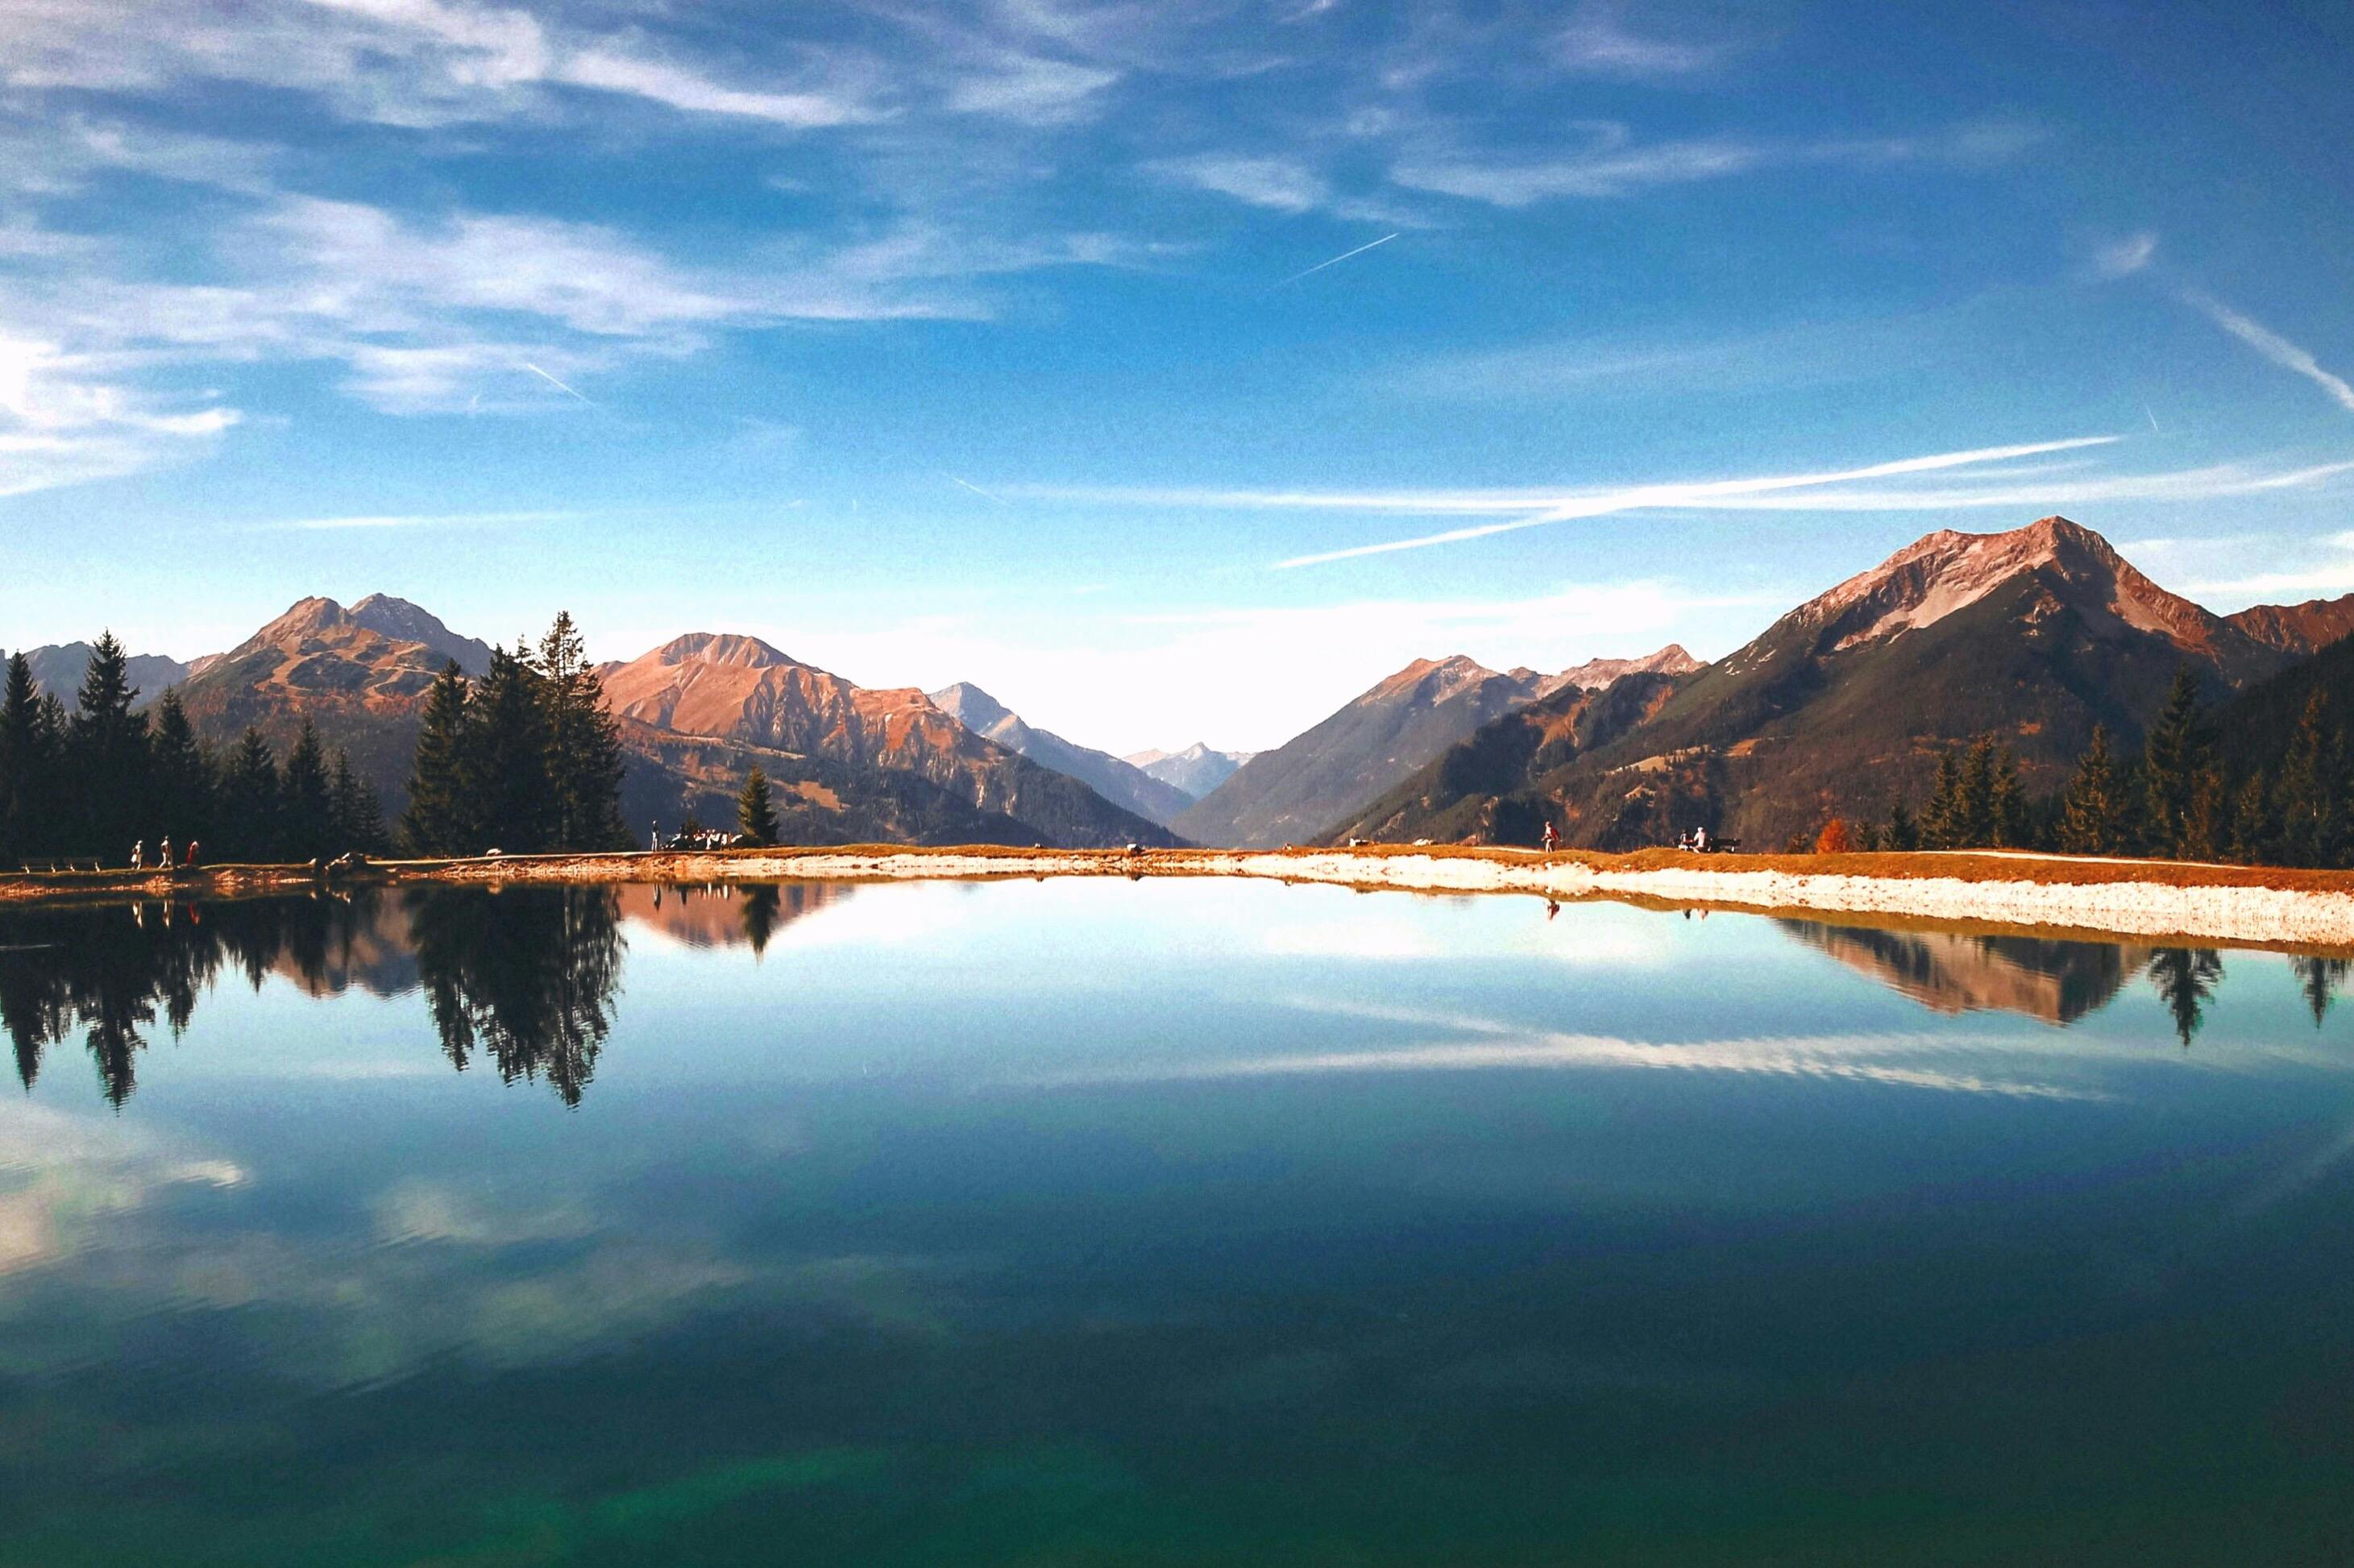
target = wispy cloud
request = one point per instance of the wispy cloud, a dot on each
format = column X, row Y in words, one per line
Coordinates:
column 2124, row 257
column 1599, row 41
column 1280, row 184
column 2273, row 347
column 425, row 520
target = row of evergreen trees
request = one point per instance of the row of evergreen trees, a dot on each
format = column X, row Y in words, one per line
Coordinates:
column 101, row 777
column 524, row 759
column 2181, row 798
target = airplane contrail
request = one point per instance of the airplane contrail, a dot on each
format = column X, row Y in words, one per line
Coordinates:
column 2153, row 420
column 551, row 381
column 977, row 490
column 1335, row 261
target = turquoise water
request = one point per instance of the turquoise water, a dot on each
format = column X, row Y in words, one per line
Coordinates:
column 1168, row 1223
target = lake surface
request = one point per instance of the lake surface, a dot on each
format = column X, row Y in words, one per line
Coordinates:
column 1084, row 1222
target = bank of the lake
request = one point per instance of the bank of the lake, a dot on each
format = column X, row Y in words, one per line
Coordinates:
column 2238, row 906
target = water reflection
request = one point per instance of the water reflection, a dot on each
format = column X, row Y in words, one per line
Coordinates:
column 528, row 979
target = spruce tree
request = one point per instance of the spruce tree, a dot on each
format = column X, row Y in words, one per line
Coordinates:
column 1902, row 832
column 2309, row 795
column 506, row 773
column 306, row 801
column 352, row 807
column 584, row 745
column 1973, row 812
column 2011, row 824
column 440, row 820
column 1941, row 818
column 2174, row 757
column 182, row 772
column 23, row 768
column 249, row 802
column 2090, row 816
column 2249, row 836
column 107, row 754
column 755, row 816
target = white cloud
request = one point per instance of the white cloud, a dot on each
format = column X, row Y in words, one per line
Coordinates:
column 61, row 424
column 683, row 90
column 2273, row 347
column 1598, row 42
column 1269, row 182
column 2123, row 257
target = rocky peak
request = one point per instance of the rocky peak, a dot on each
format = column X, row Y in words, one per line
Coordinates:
column 306, row 618
column 972, row 706
column 1432, row 681
column 721, row 648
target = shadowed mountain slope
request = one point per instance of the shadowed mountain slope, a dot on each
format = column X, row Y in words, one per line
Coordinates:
column 1128, row 787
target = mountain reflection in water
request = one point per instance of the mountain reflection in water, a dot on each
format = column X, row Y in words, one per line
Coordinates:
column 2057, row 981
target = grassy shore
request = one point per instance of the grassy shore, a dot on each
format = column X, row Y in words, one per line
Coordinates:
column 1995, row 892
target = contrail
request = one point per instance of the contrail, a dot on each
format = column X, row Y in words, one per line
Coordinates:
column 2153, row 420
column 2273, row 347
column 1336, row 260
column 551, row 381
column 977, row 490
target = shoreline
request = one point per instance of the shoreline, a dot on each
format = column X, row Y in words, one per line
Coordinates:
column 2001, row 891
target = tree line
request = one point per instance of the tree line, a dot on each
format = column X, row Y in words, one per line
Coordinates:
column 2182, row 797
column 527, row 758
column 101, row 777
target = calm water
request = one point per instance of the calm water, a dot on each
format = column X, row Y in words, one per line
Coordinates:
column 1169, row 1222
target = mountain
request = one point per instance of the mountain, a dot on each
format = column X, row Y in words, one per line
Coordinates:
column 1950, row 972
column 886, row 763
column 2299, row 629
column 1298, row 790
column 2033, row 636
column 2262, row 719
column 1596, row 673
column 1128, row 787
column 405, row 622
column 362, row 688
column 1306, row 784
column 58, row 668
column 1194, row 771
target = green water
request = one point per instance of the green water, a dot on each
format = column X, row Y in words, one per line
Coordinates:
column 1084, row 1223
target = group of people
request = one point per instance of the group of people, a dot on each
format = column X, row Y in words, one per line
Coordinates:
column 1697, row 841
column 162, row 855
column 707, row 839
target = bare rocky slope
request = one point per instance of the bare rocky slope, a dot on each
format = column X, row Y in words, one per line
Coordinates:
column 1124, row 785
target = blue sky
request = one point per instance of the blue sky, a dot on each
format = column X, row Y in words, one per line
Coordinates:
column 999, row 342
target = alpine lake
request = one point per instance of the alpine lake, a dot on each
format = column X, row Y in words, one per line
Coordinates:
column 1089, row 1221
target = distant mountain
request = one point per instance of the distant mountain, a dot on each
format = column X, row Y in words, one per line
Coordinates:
column 1596, row 673
column 2033, row 635
column 2300, row 629
column 405, row 622
column 1950, row 972
column 703, row 707
column 59, row 667
column 1298, row 790
column 2264, row 718
column 1128, row 787
column 364, row 689
column 1194, row 771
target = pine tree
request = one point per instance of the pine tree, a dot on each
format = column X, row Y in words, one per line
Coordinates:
column 1974, row 801
column 2011, row 824
column 352, row 807
column 107, row 754
column 23, row 767
column 584, row 745
column 306, row 800
column 1941, row 818
column 2174, row 757
column 440, row 819
column 2090, row 815
column 1902, row 832
column 2309, row 795
column 506, row 773
column 249, row 802
column 2249, row 836
column 182, row 772
column 755, row 816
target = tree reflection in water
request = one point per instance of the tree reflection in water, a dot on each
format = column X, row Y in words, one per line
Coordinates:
column 528, row 977
column 2321, row 979
column 2185, row 978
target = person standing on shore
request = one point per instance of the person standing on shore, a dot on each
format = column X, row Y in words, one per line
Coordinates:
column 139, row 855
column 193, row 847
column 164, row 854
column 1552, row 838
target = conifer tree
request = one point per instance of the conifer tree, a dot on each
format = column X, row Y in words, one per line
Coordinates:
column 2174, row 758
column 2249, row 836
column 107, row 753
column 1973, row 825
column 506, row 773
column 249, row 802
column 2090, row 815
column 440, row 820
column 352, row 807
column 182, row 772
column 1902, row 832
column 584, row 745
column 23, row 768
column 2310, row 796
column 1941, row 818
column 306, row 803
column 2011, row 824
column 756, row 818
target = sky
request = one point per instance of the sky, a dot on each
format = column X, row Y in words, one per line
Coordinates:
column 1173, row 371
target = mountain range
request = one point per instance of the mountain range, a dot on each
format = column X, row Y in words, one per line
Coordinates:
column 1840, row 707
column 2033, row 636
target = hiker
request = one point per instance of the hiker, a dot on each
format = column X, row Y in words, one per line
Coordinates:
column 192, row 854
column 1700, row 841
column 164, row 854
column 1552, row 838
column 139, row 855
